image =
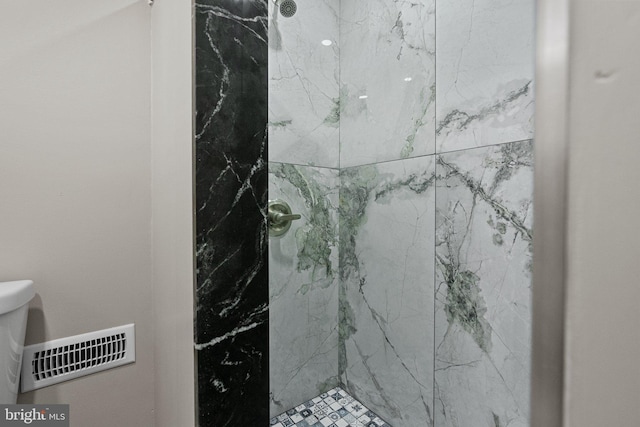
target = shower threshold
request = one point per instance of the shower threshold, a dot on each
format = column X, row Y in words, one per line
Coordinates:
column 335, row 408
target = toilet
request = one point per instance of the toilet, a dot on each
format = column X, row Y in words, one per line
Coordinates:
column 14, row 300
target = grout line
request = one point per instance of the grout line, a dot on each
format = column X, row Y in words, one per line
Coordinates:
column 435, row 210
column 414, row 157
column 485, row 146
column 302, row 165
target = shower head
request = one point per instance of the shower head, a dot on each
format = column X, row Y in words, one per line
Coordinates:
column 288, row 8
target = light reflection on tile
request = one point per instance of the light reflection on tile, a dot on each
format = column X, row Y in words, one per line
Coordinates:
column 304, row 108
column 387, row 73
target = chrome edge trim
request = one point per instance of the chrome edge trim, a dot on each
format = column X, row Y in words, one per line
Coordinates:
column 550, row 207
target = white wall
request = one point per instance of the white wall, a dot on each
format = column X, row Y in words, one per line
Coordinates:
column 172, row 225
column 603, row 330
column 75, row 193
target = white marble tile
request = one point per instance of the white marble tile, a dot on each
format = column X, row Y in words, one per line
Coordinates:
column 303, row 286
column 387, row 56
column 483, row 266
column 485, row 70
column 304, row 114
column 386, row 291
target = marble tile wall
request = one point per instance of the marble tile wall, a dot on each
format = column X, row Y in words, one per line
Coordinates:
column 483, row 273
column 303, row 286
column 304, row 123
column 231, row 318
column 485, row 72
column 484, row 212
column 386, row 291
column 387, row 89
column 304, row 104
column 425, row 327
column 484, row 98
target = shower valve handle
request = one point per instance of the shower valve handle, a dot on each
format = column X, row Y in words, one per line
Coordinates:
column 280, row 217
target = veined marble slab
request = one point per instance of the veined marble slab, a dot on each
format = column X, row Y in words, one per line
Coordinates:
column 387, row 69
column 304, row 107
column 483, row 266
column 386, row 294
column 485, row 72
column 303, row 286
column 231, row 317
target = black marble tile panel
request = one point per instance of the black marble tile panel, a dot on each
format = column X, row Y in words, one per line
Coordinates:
column 232, row 335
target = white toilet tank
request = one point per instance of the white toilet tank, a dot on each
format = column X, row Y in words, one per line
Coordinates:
column 14, row 299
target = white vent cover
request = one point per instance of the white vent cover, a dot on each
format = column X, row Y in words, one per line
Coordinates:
column 64, row 359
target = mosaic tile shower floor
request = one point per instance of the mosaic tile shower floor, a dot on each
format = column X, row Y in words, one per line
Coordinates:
column 335, row 408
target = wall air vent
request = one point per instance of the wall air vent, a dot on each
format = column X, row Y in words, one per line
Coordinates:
column 64, row 359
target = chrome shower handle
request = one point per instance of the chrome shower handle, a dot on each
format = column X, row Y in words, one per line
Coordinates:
column 279, row 216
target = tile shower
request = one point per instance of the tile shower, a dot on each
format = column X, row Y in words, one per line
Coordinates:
column 402, row 132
